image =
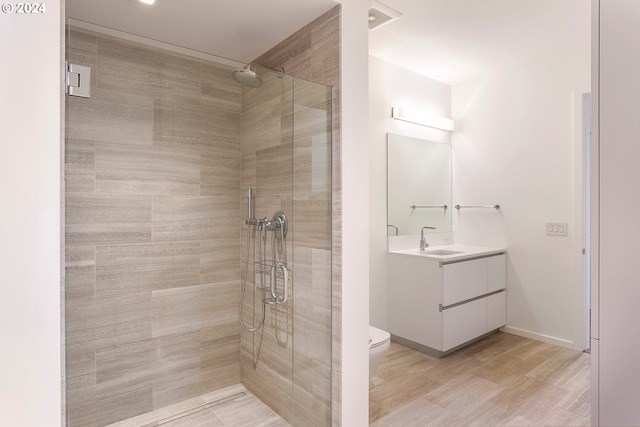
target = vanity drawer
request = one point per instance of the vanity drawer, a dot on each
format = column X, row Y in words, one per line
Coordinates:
column 467, row 321
column 463, row 323
column 469, row 279
column 463, row 280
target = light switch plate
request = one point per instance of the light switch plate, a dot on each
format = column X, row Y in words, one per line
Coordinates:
column 557, row 228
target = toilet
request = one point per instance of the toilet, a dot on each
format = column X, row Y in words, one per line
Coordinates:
column 379, row 343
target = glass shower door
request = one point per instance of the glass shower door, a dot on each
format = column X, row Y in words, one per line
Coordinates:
column 286, row 149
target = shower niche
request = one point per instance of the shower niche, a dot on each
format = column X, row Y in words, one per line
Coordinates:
column 157, row 165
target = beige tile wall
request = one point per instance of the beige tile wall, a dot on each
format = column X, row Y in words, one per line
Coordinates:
column 152, row 238
column 154, row 163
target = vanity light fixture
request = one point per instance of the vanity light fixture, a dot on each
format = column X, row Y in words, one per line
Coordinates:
column 148, row 1
column 421, row 118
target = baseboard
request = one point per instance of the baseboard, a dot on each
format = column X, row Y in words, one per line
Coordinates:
column 539, row 337
column 432, row 351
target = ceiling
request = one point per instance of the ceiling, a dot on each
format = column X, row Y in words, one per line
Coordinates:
column 447, row 40
column 457, row 40
column 240, row 30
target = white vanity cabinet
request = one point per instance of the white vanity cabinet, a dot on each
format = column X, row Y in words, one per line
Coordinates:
column 437, row 304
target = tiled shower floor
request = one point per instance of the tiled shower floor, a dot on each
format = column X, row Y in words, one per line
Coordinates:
column 231, row 406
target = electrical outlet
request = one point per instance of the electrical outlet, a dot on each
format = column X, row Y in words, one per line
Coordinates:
column 557, row 228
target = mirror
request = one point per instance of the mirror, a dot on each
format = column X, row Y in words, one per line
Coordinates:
column 418, row 185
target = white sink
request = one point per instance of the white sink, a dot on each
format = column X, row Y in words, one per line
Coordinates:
column 440, row 252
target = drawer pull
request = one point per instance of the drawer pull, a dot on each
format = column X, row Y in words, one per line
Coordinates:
column 446, row 307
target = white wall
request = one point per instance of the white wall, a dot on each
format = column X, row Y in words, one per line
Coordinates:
column 390, row 85
column 355, row 223
column 30, row 190
column 514, row 146
column 617, row 351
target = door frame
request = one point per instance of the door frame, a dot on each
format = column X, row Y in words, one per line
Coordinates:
column 582, row 218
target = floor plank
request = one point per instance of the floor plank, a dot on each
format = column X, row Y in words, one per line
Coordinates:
column 502, row 380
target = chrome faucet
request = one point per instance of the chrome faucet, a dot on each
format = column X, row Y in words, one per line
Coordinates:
column 423, row 243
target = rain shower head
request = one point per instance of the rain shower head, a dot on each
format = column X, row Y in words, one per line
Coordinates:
column 247, row 77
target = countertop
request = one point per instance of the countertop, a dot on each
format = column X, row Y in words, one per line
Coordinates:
column 464, row 252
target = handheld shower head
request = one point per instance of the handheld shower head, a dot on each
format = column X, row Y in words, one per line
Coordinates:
column 247, row 77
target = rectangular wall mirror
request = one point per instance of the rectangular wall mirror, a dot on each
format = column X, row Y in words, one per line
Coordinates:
column 418, row 185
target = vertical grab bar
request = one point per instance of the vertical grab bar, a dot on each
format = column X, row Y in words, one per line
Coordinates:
column 278, row 224
column 285, row 278
column 273, row 288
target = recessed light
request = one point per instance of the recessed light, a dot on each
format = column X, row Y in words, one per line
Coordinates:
column 148, row 1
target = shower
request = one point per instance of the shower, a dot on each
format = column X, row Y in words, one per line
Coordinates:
column 247, row 77
column 266, row 266
column 155, row 215
column 271, row 266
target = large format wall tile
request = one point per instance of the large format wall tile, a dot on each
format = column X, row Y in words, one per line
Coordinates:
column 193, row 218
column 98, row 324
column 106, row 321
column 312, row 216
column 98, row 219
column 144, row 70
column 80, row 162
column 190, row 309
column 82, row 49
column 274, row 171
column 114, row 117
column 220, row 172
column 191, row 124
column 146, row 170
column 152, row 212
column 219, row 257
column 123, row 269
column 79, row 272
column 313, row 151
column 221, row 343
column 108, row 411
column 125, row 368
column 219, row 91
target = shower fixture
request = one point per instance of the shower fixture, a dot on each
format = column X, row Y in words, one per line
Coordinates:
column 247, row 77
column 272, row 267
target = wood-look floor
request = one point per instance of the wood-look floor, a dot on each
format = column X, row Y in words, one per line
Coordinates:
column 502, row 380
